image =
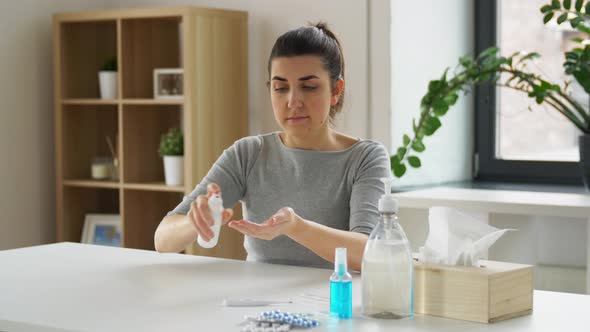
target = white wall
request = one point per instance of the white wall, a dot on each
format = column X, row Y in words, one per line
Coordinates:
column 426, row 39
column 27, row 189
column 422, row 42
column 26, row 122
column 267, row 19
column 379, row 52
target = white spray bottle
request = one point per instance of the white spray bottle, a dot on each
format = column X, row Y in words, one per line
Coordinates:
column 216, row 207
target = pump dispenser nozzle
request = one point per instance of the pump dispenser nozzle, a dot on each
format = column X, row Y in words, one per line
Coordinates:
column 340, row 265
column 387, row 203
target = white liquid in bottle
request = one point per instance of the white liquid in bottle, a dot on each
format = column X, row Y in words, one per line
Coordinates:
column 216, row 207
column 387, row 284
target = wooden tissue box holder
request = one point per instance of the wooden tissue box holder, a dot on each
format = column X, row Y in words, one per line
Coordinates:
column 492, row 292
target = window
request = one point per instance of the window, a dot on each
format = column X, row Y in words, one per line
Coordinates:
column 514, row 143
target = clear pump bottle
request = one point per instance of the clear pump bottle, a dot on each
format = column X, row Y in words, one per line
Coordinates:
column 341, row 287
column 387, row 267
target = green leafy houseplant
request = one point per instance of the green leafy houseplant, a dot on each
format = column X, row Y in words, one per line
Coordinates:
column 171, row 143
column 110, row 64
column 488, row 66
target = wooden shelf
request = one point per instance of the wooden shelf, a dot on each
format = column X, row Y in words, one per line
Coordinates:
column 142, row 212
column 211, row 45
column 91, row 184
column 153, row 101
column 148, row 43
column 143, row 125
column 79, row 201
column 148, row 186
column 154, row 186
column 84, row 132
column 129, row 101
column 84, row 47
column 90, row 101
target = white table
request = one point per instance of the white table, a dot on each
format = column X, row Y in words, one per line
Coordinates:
column 75, row 287
column 529, row 203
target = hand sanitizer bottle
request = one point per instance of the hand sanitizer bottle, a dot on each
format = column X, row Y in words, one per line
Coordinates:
column 387, row 267
column 216, row 207
column 340, row 287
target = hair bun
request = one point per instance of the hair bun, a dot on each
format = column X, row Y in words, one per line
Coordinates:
column 321, row 25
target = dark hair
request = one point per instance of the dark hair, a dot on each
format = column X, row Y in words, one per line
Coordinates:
column 314, row 39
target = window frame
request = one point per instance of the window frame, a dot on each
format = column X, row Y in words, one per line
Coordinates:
column 486, row 166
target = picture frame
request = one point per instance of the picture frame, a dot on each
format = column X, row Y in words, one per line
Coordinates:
column 102, row 229
column 168, row 83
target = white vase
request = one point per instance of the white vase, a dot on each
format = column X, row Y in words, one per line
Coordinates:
column 174, row 170
column 108, row 84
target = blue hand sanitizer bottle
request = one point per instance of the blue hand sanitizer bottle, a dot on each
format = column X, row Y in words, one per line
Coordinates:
column 340, row 287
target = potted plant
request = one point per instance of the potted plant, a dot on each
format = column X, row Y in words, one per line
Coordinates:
column 107, row 79
column 172, row 150
column 487, row 67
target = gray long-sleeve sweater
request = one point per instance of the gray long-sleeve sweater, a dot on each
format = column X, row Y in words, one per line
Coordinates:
column 339, row 189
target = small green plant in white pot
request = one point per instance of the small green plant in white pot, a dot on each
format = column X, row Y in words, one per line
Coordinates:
column 172, row 150
column 107, row 79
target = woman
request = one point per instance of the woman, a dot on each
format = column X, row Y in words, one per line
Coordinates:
column 305, row 190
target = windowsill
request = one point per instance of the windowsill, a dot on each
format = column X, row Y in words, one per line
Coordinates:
column 522, row 199
column 548, row 188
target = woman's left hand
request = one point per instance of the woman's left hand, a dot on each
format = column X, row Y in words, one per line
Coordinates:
column 280, row 223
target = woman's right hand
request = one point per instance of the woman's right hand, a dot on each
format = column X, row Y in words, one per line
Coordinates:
column 200, row 214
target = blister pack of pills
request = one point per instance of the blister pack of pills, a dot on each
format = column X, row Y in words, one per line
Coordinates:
column 277, row 321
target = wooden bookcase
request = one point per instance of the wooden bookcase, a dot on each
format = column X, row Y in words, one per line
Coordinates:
column 211, row 46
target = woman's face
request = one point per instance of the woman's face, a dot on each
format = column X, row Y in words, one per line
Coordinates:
column 301, row 94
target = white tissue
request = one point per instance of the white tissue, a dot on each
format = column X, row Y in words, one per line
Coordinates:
column 458, row 237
